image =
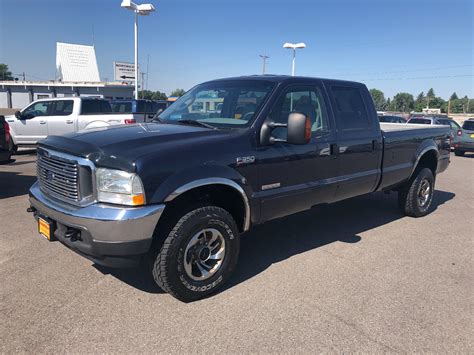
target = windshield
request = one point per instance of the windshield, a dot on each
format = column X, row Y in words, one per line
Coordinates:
column 231, row 104
column 468, row 125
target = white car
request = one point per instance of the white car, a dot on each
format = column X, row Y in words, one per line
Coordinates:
column 58, row 116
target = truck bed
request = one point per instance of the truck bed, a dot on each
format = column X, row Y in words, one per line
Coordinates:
column 403, row 143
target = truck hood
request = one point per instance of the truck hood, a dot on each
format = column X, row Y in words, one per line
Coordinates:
column 120, row 146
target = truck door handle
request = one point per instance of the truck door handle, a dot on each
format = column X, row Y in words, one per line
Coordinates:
column 69, row 121
column 42, row 122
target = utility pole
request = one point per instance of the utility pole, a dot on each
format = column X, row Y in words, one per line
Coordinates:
column 147, row 70
column 143, row 76
column 264, row 62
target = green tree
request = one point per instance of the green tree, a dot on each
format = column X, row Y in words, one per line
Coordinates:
column 454, row 96
column 153, row 95
column 5, row 74
column 379, row 99
column 429, row 96
column 177, row 93
column 403, row 102
column 420, row 102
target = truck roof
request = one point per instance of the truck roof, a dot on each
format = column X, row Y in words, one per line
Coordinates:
column 283, row 79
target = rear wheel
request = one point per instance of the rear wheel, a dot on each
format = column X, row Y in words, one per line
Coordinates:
column 416, row 196
column 199, row 254
column 459, row 153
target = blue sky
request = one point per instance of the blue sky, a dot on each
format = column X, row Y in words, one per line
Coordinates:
column 391, row 45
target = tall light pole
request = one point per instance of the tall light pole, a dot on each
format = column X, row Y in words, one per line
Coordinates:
column 294, row 46
column 138, row 9
column 264, row 59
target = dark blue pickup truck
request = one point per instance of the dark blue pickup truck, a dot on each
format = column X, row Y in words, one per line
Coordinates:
column 228, row 155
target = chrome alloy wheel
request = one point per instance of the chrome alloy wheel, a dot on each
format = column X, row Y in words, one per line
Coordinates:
column 204, row 254
column 424, row 193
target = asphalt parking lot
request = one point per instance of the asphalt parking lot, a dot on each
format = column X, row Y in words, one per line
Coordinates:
column 354, row 276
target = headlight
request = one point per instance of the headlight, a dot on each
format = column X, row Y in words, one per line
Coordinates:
column 120, row 187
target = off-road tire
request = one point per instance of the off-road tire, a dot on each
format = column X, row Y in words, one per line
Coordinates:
column 168, row 266
column 459, row 153
column 408, row 195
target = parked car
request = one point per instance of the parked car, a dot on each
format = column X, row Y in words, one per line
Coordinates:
column 391, row 119
column 466, row 141
column 5, row 141
column 142, row 110
column 60, row 116
column 456, row 131
column 179, row 192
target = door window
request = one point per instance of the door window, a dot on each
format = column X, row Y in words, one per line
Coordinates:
column 37, row 109
column 62, row 108
column 307, row 100
column 351, row 112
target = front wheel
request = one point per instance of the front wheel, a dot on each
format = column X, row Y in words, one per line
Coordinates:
column 199, row 254
column 416, row 196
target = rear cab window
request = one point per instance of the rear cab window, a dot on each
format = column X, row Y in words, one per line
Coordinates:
column 420, row 121
column 350, row 109
column 94, row 106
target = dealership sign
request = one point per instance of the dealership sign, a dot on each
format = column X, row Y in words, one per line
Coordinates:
column 124, row 71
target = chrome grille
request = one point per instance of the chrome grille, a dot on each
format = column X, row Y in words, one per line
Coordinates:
column 58, row 177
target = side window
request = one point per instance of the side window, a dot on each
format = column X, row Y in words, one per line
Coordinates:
column 308, row 100
column 37, row 109
column 351, row 112
column 62, row 108
column 90, row 107
column 105, row 106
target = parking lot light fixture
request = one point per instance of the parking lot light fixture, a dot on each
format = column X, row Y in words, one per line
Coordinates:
column 143, row 10
column 294, row 47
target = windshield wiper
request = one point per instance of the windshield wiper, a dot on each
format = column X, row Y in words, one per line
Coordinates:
column 196, row 123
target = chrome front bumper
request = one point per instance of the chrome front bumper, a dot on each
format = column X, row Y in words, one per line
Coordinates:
column 106, row 231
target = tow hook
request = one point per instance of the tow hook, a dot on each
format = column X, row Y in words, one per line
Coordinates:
column 31, row 209
column 73, row 234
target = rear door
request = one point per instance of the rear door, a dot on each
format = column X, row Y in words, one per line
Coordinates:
column 359, row 139
column 61, row 120
column 33, row 125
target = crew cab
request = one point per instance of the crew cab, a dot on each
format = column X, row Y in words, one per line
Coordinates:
column 228, row 155
column 58, row 116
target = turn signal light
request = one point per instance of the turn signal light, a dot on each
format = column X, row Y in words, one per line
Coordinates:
column 130, row 121
column 138, row 200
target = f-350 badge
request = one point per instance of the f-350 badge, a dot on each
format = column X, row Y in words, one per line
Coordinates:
column 245, row 160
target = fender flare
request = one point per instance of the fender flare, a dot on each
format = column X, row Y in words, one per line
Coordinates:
column 426, row 148
column 215, row 181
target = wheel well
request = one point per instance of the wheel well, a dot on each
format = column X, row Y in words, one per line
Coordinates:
column 218, row 195
column 428, row 160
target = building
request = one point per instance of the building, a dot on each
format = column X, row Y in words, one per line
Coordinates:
column 76, row 63
column 18, row 94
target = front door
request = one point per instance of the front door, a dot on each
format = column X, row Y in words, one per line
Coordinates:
column 33, row 124
column 61, row 120
column 295, row 177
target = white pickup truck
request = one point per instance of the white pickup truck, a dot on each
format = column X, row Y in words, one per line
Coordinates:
column 58, row 116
